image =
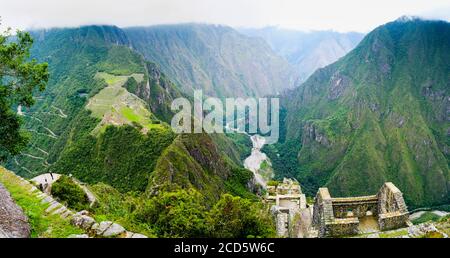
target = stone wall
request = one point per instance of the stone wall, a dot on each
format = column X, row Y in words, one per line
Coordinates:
column 392, row 209
column 341, row 227
column 287, row 200
column 339, row 216
column 355, row 206
column 282, row 223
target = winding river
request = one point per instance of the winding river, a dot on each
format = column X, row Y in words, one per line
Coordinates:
column 256, row 158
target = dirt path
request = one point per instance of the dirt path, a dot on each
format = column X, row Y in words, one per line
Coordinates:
column 31, row 156
column 13, row 221
column 61, row 113
column 46, row 179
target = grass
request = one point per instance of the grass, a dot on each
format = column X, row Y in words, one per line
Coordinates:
column 427, row 216
column 118, row 105
column 433, row 235
column 42, row 225
column 129, row 114
column 394, row 234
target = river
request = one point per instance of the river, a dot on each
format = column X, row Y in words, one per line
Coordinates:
column 256, row 158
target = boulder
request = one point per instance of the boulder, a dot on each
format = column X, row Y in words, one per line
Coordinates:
column 82, row 221
column 83, row 212
column 113, row 230
column 101, row 227
column 129, row 234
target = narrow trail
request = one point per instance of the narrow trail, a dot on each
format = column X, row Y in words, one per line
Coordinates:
column 49, row 135
column 32, row 156
column 50, row 131
column 46, row 178
column 62, row 114
column 22, row 167
column 91, row 197
column 35, row 118
column 26, row 169
column 50, row 113
column 39, row 149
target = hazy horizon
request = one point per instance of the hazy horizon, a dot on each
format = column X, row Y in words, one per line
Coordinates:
column 340, row 16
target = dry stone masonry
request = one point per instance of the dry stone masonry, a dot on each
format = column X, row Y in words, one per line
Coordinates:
column 350, row 215
column 287, row 201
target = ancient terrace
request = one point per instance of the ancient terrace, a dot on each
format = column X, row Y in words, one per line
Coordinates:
column 352, row 215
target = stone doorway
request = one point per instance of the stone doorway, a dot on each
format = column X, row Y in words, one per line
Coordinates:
column 368, row 224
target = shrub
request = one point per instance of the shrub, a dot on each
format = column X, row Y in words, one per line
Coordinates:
column 233, row 217
column 174, row 214
column 68, row 192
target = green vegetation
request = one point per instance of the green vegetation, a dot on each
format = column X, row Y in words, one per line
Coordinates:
column 119, row 207
column 394, row 234
column 116, row 106
column 233, row 65
column 427, row 216
column 236, row 217
column 69, row 193
column 42, row 224
column 273, row 183
column 19, row 78
column 433, row 235
column 121, row 156
column 120, row 62
column 376, row 115
column 73, row 57
column 183, row 213
column 195, row 161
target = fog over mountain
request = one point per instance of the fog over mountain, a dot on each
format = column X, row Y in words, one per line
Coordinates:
column 307, row 51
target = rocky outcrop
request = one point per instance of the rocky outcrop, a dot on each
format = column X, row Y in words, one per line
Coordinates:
column 13, row 222
column 312, row 133
column 338, row 84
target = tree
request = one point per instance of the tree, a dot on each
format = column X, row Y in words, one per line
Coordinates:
column 174, row 214
column 19, row 78
column 233, row 216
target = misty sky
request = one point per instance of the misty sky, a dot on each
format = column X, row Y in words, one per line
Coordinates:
column 343, row 15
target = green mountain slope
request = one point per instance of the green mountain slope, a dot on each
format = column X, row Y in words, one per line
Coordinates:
column 217, row 59
column 104, row 116
column 379, row 114
column 195, row 161
column 74, row 57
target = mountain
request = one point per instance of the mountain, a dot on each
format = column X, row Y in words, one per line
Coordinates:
column 195, row 161
column 104, row 115
column 381, row 113
column 307, row 51
column 214, row 58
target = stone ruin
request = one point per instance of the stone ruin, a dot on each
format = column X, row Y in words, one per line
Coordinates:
column 348, row 216
column 287, row 201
